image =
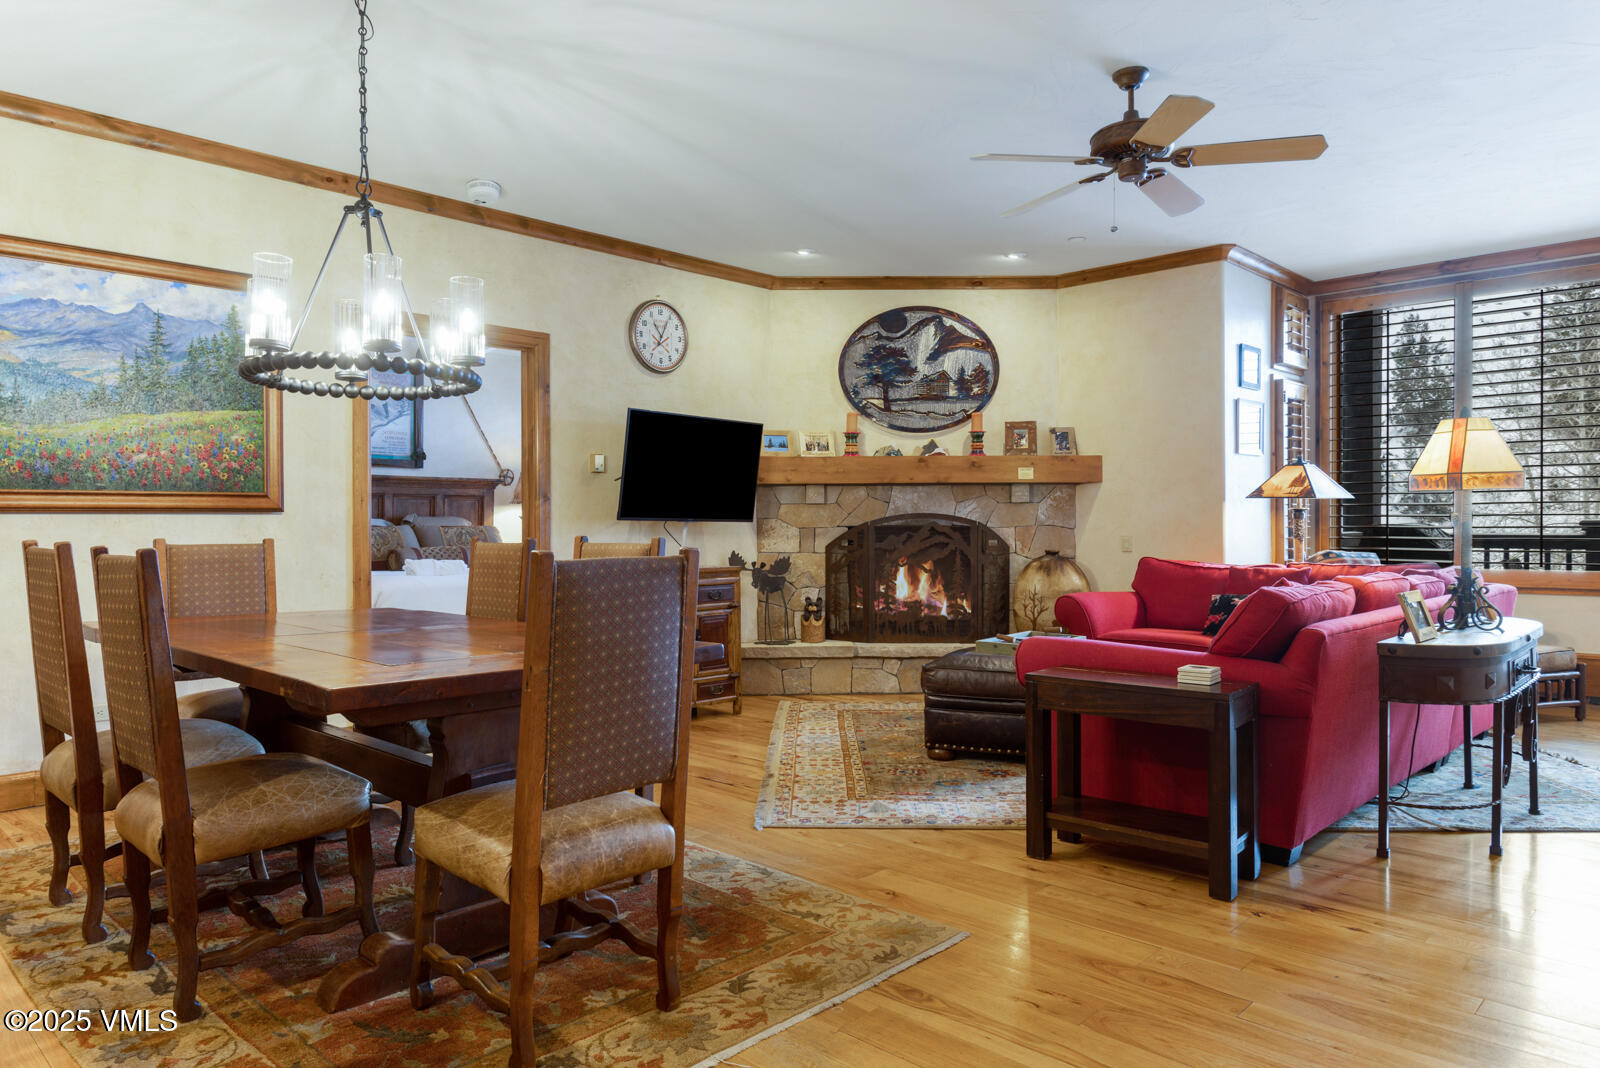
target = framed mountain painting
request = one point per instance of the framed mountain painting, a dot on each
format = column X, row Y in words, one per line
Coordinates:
column 118, row 390
column 918, row 369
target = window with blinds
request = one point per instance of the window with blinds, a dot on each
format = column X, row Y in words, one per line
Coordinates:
column 1536, row 373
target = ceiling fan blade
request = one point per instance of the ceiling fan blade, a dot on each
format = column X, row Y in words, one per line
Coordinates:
column 1053, row 194
column 1172, row 120
column 1171, row 195
column 1012, row 157
column 1271, row 150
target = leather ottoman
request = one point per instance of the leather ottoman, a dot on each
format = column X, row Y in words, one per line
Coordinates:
column 972, row 703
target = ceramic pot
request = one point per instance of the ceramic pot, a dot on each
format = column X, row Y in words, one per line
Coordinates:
column 1041, row 583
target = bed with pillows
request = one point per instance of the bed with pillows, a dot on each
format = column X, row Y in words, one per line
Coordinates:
column 421, row 562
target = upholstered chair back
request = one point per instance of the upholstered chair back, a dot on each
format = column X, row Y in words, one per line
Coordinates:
column 60, row 671
column 584, row 549
column 219, row 580
column 615, row 655
column 497, row 579
column 138, row 661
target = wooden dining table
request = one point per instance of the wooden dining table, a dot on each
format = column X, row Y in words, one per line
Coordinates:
column 374, row 667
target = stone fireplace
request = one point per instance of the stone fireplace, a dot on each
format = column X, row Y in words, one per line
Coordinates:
column 917, row 578
column 1011, row 524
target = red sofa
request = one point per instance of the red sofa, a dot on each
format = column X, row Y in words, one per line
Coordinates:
column 1318, row 725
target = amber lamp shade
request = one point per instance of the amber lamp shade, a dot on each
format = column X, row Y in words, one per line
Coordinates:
column 1298, row 478
column 1466, row 453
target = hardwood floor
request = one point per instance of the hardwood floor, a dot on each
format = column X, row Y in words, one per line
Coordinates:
column 1106, row 956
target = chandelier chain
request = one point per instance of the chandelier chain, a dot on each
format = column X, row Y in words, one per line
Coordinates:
column 364, row 32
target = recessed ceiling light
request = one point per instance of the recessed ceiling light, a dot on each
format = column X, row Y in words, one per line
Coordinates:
column 1075, row 238
column 1014, row 256
column 805, row 252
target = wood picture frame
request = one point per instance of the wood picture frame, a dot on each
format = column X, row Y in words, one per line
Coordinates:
column 1248, row 427
column 1022, row 437
column 1418, row 621
column 1063, row 441
column 1249, row 367
column 151, row 416
column 816, row 443
column 777, row 442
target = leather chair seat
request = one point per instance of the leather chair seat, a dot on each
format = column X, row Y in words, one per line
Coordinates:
column 584, row 844
column 1557, row 658
column 972, row 702
column 257, row 802
column 222, row 705
column 205, row 741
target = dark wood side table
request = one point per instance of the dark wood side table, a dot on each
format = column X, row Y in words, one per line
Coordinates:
column 716, row 679
column 1466, row 667
column 1226, row 837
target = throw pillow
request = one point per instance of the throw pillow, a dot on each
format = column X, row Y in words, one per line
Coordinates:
column 1378, row 590
column 1177, row 593
column 1244, row 580
column 1222, row 606
column 463, row 537
column 1266, row 622
column 427, row 527
column 385, row 540
column 1428, row 584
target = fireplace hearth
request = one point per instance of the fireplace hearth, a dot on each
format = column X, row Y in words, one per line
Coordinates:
column 917, row 578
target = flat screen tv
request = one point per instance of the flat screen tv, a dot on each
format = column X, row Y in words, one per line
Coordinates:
column 688, row 468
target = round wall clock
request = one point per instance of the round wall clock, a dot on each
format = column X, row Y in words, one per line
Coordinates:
column 657, row 335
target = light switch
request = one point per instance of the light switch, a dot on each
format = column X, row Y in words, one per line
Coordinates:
column 597, row 463
column 1127, row 543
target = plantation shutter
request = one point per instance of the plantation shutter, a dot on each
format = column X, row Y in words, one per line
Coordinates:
column 1536, row 374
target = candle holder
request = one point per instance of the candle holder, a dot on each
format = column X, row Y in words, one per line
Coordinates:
column 977, row 443
column 852, row 443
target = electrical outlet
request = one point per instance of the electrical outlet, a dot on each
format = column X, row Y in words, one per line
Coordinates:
column 597, row 463
column 1127, row 543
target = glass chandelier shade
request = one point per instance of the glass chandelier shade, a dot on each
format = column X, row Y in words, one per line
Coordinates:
column 369, row 333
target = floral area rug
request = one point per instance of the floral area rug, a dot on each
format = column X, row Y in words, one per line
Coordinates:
column 851, row 764
column 1569, row 797
column 761, row 951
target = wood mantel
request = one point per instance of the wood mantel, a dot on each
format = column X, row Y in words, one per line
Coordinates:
column 925, row 470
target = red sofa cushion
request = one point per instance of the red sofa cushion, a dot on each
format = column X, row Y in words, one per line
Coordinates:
column 1243, row 580
column 1266, row 622
column 1161, row 637
column 1430, row 586
column 1324, row 572
column 1375, row 591
column 1177, row 593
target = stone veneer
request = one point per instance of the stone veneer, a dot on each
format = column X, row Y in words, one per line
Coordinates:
column 800, row 521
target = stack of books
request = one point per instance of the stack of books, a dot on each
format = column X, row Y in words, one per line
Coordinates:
column 1199, row 675
column 1006, row 644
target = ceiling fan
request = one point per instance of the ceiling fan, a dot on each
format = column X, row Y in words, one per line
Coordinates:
column 1134, row 147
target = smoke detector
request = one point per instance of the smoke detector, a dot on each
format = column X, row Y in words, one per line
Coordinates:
column 483, row 191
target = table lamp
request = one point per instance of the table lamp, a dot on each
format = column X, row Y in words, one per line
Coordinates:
column 1464, row 454
column 1298, row 480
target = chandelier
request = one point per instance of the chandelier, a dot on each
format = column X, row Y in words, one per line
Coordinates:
column 369, row 332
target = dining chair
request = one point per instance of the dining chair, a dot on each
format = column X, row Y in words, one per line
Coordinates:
column 78, row 772
column 584, row 549
column 497, row 579
column 179, row 818
column 594, row 726
column 226, row 579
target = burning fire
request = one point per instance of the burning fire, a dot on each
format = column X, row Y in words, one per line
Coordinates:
column 921, row 585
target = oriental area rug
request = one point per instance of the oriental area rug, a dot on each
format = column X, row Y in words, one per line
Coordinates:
column 761, row 951
column 863, row 764
column 1569, row 798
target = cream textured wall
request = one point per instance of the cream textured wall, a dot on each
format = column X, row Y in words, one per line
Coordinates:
column 1246, row 320
column 1140, row 378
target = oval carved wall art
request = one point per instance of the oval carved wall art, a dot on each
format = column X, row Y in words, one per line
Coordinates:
column 918, row 369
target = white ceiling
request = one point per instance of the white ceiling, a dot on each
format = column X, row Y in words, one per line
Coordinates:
column 740, row 130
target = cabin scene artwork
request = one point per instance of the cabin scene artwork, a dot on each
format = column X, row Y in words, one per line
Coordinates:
column 918, row 369
column 116, row 386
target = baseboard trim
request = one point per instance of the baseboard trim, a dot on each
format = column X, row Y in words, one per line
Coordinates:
column 22, row 790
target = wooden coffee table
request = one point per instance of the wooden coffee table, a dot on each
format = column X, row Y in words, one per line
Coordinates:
column 1226, row 837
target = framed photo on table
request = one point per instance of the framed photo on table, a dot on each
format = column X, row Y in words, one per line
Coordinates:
column 777, row 442
column 1022, row 438
column 1418, row 621
column 817, row 443
column 1064, row 440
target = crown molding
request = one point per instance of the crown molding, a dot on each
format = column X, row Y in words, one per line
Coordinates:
column 153, row 139
column 1464, row 269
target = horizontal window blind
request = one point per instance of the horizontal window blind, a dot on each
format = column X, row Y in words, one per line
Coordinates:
column 1392, row 380
column 1536, row 373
